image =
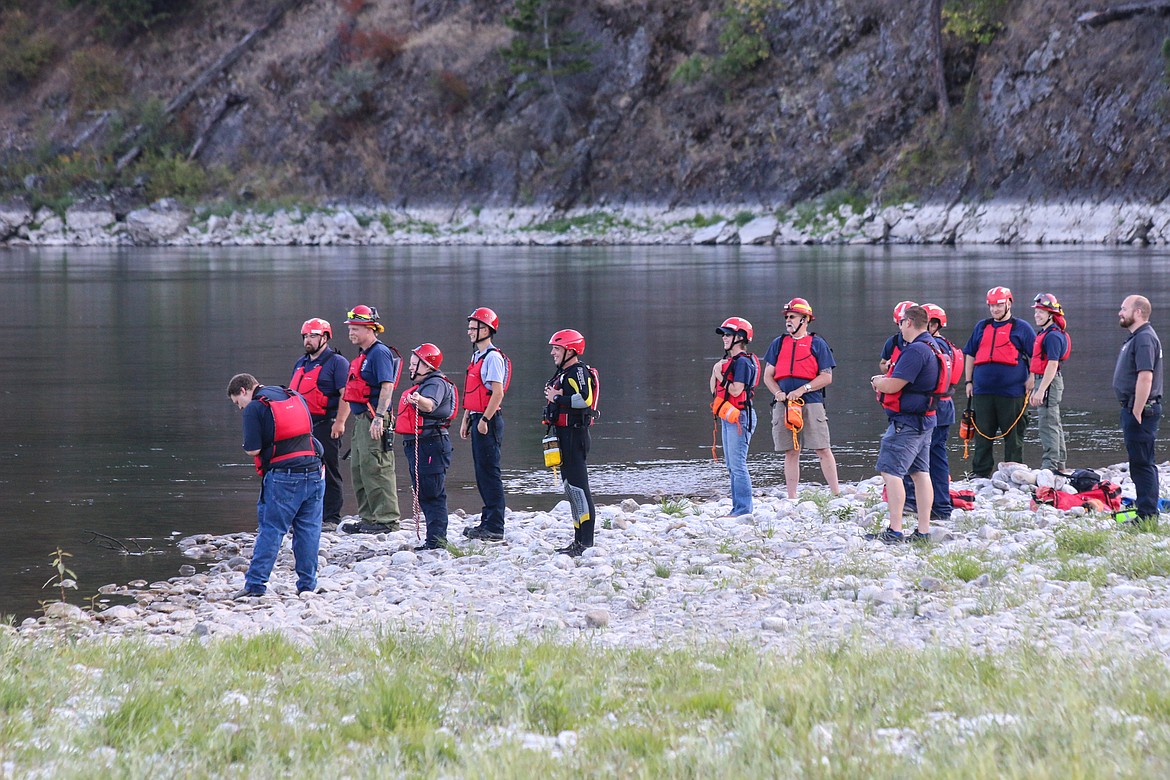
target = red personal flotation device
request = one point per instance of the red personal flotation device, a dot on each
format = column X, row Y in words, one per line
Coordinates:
column 413, row 422
column 1039, row 360
column 357, row 390
column 1107, row 495
column 293, row 437
column 796, row 358
column 991, row 350
column 305, row 383
column 476, row 392
column 896, row 402
column 956, row 363
column 744, row 399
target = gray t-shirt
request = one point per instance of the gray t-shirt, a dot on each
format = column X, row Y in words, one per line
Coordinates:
column 494, row 369
column 1142, row 351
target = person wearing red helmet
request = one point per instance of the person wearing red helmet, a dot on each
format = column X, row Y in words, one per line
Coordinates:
column 278, row 435
column 1051, row 348
column 998, row 381
column 488, row 377
column 425, row 412
column 369, row 388
column 799, row 365
column 319, row 376
column 570, row 408
column 733, row 381
column 940, row 467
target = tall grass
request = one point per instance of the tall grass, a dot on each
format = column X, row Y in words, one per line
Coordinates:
column 397, row 704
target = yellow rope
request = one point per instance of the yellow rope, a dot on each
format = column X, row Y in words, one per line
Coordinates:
column 1019, row 416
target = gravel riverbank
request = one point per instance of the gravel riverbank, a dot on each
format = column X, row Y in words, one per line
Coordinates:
column 796, row 572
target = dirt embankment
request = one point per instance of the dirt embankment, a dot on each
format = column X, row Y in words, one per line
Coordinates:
column 413, row 104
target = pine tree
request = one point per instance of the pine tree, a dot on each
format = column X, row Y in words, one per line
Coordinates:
column 544, row 50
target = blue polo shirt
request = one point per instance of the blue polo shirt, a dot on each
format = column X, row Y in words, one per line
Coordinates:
column 380, row 366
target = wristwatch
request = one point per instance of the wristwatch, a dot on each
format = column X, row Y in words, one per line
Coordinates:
column 808, row 388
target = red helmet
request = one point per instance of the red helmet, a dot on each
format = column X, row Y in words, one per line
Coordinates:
column 362, row 315
column 317, row 327
column 486, row 316
column 935, row 312
column 429, row 354
column 1048, row 302
column 733, row 325
column 569, row 339
column 998, row 295
column 800, row 306
column 900, row 311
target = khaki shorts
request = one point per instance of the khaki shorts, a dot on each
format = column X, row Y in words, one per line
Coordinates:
column 814, row 436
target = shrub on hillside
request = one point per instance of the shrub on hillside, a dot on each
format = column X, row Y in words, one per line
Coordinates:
column 24, row 52
column 97, row 79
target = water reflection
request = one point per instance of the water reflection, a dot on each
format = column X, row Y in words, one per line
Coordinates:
column 119, row 424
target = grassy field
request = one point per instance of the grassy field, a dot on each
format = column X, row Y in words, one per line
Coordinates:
column 393, row 704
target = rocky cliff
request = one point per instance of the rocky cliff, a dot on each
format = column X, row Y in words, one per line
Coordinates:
column 411, row 103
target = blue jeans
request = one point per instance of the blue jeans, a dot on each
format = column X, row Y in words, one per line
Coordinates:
column 485, row 454
column 736, row 438
column 1139, row 443
column 288, row 501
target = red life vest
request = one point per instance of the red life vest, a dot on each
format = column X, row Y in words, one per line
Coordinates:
column 993, row 351
column 587, row 416
column 413, row 422
column 1039, row 360
column 294, row 428
column 744, row 399
column 907, row 401
column 796, row 358
column 956, row 361
column 357, row 390
column 305, row 383
column 475, row 391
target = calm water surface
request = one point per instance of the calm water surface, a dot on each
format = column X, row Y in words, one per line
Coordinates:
column 119, row 433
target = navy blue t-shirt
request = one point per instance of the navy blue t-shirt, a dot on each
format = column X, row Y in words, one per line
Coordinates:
column 919, row 367
column 260, row 428
column 380, row 366
column 331, row 380
column 820, row 350
column 1000, row 378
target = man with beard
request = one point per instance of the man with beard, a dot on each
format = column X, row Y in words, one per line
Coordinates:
column 1137, row 382
column 998, row 381
column 319, row 376
column 798, row 367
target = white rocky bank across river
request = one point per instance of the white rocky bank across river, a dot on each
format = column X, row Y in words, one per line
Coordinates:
column 794, row 573
column 168, row 223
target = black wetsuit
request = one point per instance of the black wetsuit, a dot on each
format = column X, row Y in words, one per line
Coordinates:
column 572, row 428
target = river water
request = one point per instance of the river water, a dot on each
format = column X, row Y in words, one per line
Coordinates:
column 119, row 437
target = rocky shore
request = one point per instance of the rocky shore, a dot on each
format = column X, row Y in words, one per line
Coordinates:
column 169, row 223
column 797, row 571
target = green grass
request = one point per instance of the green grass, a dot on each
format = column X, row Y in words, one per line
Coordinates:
column 399, row 704
column 596, row 221
column 962, row 565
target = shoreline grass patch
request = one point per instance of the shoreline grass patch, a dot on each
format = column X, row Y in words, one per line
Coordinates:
column 449, row 705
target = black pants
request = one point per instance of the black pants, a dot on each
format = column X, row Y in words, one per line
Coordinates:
column 331, row 507
column 574, row 444
column 434, row 458
column 485, row 454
